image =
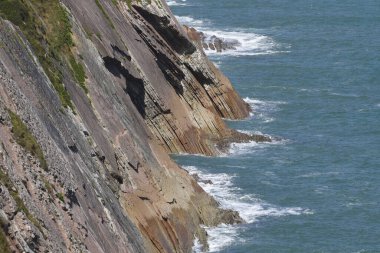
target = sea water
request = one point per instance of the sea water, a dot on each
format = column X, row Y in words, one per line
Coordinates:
column 310, row 70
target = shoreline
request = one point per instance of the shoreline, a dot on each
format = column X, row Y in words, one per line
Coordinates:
column 104, row 109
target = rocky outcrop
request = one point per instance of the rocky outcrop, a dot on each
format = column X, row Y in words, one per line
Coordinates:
column 105, row 109
column 211, row 42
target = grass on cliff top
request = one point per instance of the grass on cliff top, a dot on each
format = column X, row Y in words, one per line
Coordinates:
column 47, row 27
column 6, row 181
column 25, row 139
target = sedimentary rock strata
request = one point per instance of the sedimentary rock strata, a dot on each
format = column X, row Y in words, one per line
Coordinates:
column 87, row 123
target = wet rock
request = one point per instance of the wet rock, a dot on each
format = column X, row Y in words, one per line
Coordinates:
column 238, row 137
column 230, row 217
column 200, row 180
column 211, row 42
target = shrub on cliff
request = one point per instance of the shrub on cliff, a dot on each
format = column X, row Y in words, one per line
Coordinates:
column 25, row 139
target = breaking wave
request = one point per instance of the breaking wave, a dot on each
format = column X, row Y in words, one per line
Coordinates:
column 249, row 206
column 245, row 41
column 176, row 2
column 249, row 147
column 260, row 108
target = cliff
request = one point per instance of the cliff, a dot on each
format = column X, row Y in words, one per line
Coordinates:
column 94, row 95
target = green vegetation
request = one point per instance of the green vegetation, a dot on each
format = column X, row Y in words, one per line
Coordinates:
column 61, row 197
column 15, row 11
column 6, row 181
column 78, row 72
column 129, row 3
column 99, row 36
column 47, row 27
column 25, row 139
column 104, row 13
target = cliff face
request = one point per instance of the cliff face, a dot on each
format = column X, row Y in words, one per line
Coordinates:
column 93, row 96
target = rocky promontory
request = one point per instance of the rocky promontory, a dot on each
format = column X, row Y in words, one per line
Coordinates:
column 210, row 42
column 94, row 96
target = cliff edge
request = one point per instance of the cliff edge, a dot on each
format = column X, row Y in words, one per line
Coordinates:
column 94, row 95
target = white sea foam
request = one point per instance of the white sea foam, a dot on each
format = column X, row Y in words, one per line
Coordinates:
column 260, row 108
column 197, row 247
column 256, row 102
column 250, row 207
column 318, row 174
column 190, row 21
column 222, row 237
column 249, row 42
column 217, row 63
column 249, row 147
column 344, row 95
column 176, row 2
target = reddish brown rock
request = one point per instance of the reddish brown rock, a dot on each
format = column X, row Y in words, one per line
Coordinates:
column 110, row 185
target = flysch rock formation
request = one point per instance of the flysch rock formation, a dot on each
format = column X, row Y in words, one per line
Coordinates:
column 93, row 174
column 210, row 42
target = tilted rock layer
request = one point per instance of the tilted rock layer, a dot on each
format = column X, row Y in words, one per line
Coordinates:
column 95, row 176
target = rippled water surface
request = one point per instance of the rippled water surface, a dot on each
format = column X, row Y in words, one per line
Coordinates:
column 311, row 72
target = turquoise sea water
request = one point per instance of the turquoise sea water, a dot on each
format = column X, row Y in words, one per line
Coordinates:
column 311, row 71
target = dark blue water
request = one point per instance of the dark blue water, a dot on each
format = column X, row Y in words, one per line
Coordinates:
column 311, row 71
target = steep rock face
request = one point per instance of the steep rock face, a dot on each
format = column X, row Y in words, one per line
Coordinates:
column 109, row 185
column 181, row 94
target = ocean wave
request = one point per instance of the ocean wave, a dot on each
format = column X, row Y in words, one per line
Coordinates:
column 255, row 102
column 250, row 207
column 260, row 108
column 222, row 237
column 344, row 95
column 176, row 3
column 318, row 174
column 249, row 147
column 197, row 247
column 217, row 63
column 247, row 42
column 190, row 21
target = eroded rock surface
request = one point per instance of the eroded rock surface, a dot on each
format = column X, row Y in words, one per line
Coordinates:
column 108, row 184
column 211, row 42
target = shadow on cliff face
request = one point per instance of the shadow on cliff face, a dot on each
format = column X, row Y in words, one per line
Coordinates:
column 200, row 76
column 134, row 86
column 173, row 74
column 169, row 32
